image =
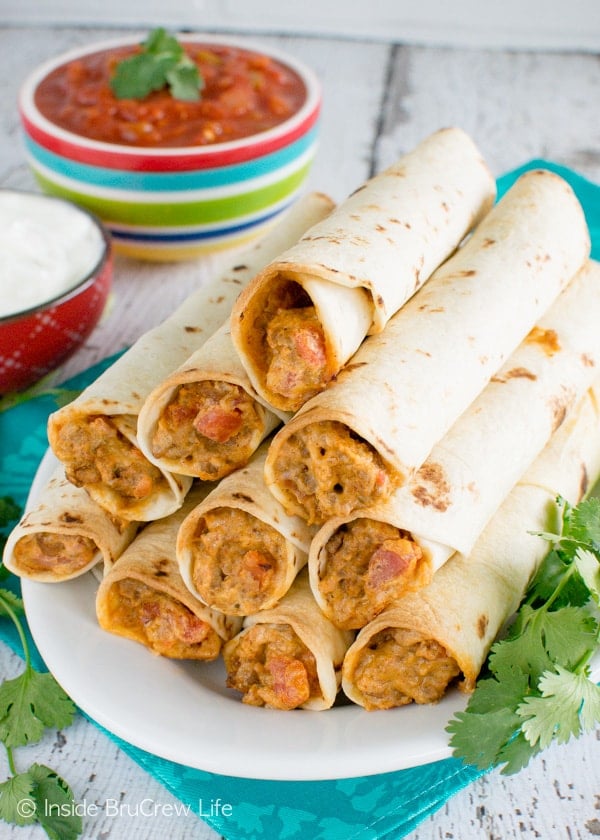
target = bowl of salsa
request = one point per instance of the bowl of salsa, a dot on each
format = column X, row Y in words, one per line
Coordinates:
column 179, row 153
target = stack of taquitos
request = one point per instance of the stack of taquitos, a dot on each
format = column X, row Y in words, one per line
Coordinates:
column 361, row 563
column 351, row 445
column 414, row 649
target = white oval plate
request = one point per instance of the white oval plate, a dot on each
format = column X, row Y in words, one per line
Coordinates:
column 183, row 712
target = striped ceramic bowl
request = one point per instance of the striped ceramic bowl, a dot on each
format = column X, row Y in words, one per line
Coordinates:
column 182, row 201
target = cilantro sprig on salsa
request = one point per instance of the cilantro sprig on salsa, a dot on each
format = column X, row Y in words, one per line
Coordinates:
column 161, row 63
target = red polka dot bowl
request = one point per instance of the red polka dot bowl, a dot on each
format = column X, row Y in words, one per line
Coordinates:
column 54, row 287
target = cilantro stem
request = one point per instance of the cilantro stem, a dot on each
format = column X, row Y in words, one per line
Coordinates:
column 15, row 620
column 11, row 760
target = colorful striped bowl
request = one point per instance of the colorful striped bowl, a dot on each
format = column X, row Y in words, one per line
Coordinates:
column 175, row 203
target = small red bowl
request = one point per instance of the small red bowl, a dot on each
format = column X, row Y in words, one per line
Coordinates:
column 35, row 341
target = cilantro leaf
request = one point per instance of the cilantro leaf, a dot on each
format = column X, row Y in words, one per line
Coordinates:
column 503, row 691
column 30, row 703
column 525, row 651
column 55, row 803
column 17, row 805
column 12, row 601
column 569, row 704
column 584, row 523
column 9, row 511
column 569, row 633
column 480, row 738
column 516, row 754
column 588, row 567
column 184, row 81
column 162, row 63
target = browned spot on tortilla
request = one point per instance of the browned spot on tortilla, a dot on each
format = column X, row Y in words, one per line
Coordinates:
column 380, row 300
column 487, row 242
column 515, row 373
column 584, row 482
column 380, row 227
column 135, row 395
column 71, row 517
column 354, row 366
column 240, row 267
column 241, row 316
column 425, row 308
column 190, row 329
column 445, row 206
column 219, row 299
column 160, row 573
column 559, row 411
column 242, row 497
column 546, row 339
column 467, row 272
column 482, row 623
column 587, row 360
column 431, row 489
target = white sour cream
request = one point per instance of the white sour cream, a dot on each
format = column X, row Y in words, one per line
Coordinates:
column 47, row 247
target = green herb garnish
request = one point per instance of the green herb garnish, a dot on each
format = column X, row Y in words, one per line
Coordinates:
column 29, row 704
column 539, row 689
column 162, row 63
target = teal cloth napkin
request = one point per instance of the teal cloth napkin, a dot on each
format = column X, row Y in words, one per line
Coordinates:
column 381, row 807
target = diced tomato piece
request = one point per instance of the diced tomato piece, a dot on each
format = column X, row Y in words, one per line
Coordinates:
column 290, row 681
column 218, row 424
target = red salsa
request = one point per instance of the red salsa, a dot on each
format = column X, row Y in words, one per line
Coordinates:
column 244, row 93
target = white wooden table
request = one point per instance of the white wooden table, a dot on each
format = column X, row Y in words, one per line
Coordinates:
column 380, row 100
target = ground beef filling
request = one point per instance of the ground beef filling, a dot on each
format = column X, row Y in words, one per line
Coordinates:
column 209, row 429
column 399, row 666
column 236, row 560
column 368, row 565
column 271, row 667
column 288, row 345
column 59, row 553
column 160, row 622
column 94, row 452
column 327, row 470
column 298, row 355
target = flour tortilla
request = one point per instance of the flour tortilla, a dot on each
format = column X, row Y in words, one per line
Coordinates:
column 406, row 387
column 328, row 645
column 245, row 490
column 65, row 510
column 120, row 391
column 468, row 474
column 150, row 559
column 471, row 597
column 217, row 359
column 372, row 254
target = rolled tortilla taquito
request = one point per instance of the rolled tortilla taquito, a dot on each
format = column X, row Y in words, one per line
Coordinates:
column 362, row 563
column 305, row 315
column 238, row 550
column 441, row 635
column 144, row 599
column 95, row 436
column 288, row 657
column 353, row 444
column 206, row 419
column 65, row 534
